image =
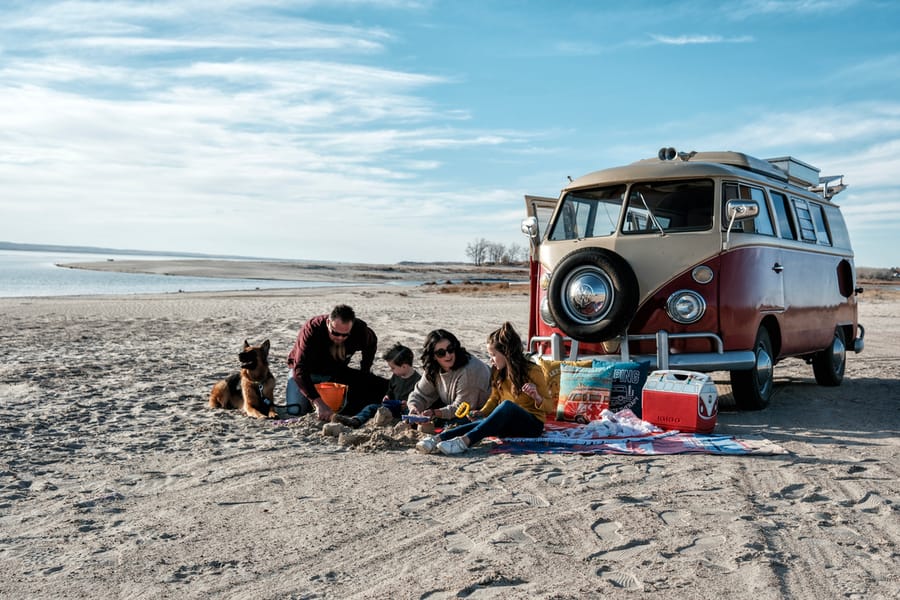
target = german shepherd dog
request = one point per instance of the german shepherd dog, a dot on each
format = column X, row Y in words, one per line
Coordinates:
column 252, row 389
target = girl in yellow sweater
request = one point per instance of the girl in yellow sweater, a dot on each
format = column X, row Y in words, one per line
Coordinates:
column 517, row 405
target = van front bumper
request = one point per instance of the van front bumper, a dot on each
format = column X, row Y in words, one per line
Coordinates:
column 734, row 360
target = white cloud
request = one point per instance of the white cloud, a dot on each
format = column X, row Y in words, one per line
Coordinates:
column 302, row 148
column 686, row 40
column 749, row 8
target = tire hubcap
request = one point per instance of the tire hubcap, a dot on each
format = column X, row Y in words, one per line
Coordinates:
column 764, row 370
column 838, row 351
column 588, row 296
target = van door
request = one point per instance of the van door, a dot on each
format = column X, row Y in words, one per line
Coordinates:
column 541, row 208
column 751, row 283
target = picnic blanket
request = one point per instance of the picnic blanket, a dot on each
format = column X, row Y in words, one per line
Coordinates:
column 625, row 433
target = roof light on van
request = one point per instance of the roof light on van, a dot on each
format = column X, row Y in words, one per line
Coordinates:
column 702, row 274
column 669, row 153
column 686, row 306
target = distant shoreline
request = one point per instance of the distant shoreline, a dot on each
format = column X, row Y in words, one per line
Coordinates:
column 311, row 271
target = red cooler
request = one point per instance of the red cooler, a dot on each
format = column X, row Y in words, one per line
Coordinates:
column 682, row 400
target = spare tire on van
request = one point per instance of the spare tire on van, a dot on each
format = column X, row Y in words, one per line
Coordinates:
column 593, row 294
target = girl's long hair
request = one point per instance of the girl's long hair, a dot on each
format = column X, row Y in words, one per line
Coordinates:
column 430, row 364
column 507, row 342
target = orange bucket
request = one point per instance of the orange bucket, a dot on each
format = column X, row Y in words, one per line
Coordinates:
column 333, row 394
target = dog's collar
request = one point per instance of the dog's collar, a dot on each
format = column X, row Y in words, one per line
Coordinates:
column 262, row 395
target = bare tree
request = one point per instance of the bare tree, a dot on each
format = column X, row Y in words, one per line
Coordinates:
column 516, row 253
column 495, row 252
column 477, row 250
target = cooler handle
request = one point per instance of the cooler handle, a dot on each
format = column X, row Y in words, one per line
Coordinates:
column 680, row 375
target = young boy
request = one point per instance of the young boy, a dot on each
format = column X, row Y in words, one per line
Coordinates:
column 403, row 379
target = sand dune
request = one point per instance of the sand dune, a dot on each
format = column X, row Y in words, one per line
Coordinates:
column 117, row 481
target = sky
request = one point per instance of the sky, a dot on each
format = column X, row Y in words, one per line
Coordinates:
column 387, row 130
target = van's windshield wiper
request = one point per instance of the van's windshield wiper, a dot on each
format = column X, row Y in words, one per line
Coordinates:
column 652, row 216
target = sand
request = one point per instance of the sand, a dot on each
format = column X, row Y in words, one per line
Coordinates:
column 116, row 480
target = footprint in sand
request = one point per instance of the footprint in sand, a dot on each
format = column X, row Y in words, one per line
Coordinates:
column 625, row 581
column 623, row 552
column 791, row 492
column 608, row 531
column 515, row 535
column 415, row 504
column 457, row 543
column 523, row 498
column 703, row 544
column 675, row 517
column 870, row 503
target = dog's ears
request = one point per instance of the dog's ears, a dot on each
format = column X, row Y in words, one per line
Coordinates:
column 246, row 344
column 265, row 346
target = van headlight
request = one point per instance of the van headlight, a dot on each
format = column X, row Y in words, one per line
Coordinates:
column 685, row 306
column 546, row 317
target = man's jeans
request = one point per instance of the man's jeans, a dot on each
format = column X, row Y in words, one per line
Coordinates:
column 296, row 401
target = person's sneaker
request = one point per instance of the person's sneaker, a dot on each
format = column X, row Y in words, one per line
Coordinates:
column 352, row 422
column 427, row 445
column 453, row 446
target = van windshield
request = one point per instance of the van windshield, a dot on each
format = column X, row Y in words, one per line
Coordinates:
column 675, row 206
column 588, row 213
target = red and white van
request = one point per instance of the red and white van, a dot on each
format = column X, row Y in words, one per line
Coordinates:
column 704, row 261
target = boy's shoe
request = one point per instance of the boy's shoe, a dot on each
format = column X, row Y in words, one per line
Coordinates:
column 453, row 446
column 428, row 445
column 348, row 421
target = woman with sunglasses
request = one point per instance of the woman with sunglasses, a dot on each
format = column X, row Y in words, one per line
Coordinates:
column 517, row 406
column 322, row 352
column 451, row 376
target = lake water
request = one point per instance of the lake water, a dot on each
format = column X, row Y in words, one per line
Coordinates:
column 25, row 273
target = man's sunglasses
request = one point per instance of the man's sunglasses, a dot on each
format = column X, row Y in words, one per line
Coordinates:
column 442, row 352
column 337, row 333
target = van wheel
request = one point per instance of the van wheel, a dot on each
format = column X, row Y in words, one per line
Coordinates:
column 593, row 295
column 829, row 364
column 753, row 388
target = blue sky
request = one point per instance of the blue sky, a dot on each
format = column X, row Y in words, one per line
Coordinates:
column 388, row 130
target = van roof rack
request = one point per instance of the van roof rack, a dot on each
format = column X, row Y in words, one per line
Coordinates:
column 783, row 168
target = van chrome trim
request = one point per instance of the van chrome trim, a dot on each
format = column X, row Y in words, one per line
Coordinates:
column 858, row 343
column 735, row 360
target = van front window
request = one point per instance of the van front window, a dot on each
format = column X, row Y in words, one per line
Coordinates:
column 669, row 205
column 588, row 213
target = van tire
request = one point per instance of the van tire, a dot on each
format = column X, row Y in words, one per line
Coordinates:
column 753, row 388
column 621, row 301
column 829, row 364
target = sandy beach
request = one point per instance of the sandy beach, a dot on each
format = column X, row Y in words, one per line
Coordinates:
column 117, row 481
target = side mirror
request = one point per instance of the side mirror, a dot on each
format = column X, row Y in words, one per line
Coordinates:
column 530, row 227
column 738, row 210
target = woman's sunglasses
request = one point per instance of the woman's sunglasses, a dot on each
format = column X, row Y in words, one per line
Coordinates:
column 442, row 352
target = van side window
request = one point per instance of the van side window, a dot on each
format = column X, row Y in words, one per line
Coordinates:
column 840, row 238
column 804, row 220
column 675, row 206
column 818, row 216
column 783, row 214
column 762, row 224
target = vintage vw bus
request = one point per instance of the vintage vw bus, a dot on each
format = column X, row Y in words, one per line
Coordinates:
column 705, row 261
